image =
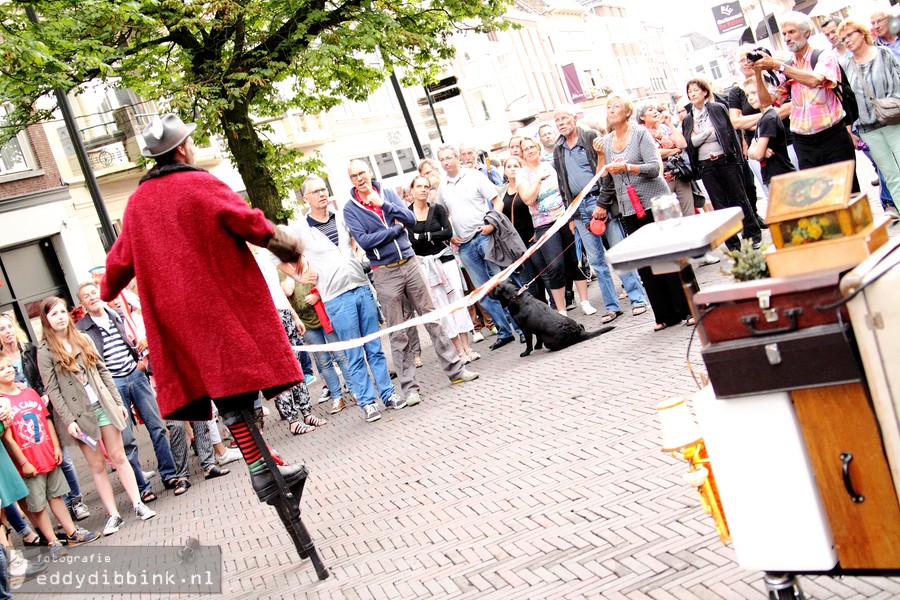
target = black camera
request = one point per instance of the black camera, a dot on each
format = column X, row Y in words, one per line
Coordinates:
column 754, row 56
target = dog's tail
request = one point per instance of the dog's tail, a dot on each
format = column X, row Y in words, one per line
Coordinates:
column 592, row 334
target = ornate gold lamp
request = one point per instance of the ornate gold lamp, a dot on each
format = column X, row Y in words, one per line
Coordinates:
column 681, row 439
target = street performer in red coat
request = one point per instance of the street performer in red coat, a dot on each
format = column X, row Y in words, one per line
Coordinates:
column 212, row 329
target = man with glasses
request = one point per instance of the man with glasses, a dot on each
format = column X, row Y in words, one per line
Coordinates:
column 378, row 221
column 331, row 264
column 817, row 116
column 885, row 30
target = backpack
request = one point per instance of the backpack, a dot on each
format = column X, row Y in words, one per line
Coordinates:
column 843, row 91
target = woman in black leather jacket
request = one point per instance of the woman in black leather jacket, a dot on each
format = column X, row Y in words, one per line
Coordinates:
column 715, row 150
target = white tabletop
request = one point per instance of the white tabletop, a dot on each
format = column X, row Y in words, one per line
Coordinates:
column 665, row 248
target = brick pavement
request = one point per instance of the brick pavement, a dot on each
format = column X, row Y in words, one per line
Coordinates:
column 542, row 479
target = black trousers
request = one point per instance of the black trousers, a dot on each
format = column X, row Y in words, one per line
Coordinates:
column 826, row 147
column 725, row 185
column 664, row 292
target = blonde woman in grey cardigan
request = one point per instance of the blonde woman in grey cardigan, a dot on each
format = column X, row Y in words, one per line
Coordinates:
column 87, row 404
column 628, row 154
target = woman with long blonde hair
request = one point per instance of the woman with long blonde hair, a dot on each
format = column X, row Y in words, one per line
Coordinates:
column 87, row 404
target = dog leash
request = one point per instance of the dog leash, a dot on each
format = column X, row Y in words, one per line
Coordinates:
column 547, row 266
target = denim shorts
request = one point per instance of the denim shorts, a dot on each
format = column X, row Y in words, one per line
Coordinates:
column 102, row 417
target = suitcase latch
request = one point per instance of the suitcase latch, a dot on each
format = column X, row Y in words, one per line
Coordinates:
column 764, row 298
column 773, row 354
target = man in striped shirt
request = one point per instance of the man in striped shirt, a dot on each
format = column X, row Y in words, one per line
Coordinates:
column 106, row 329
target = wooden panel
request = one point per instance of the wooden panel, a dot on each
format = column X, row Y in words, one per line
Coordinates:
column 838, row 419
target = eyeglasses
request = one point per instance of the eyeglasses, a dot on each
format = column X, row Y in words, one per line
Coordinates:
column 847, row 37
column 359, row 175
column 317, row 191
column 879, row 20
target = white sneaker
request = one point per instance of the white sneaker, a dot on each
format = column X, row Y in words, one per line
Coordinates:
column 587, row 309
column 148, row 474
column 413, row 399
column 230, row 455
column 144, row 512
column 477, row 337
column 709, row 259
column 112, row 525
column 326, row 395
column 565, row 313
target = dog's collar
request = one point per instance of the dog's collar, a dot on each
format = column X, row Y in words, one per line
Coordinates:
column 519, row 292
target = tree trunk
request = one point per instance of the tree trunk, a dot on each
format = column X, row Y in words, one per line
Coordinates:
column 249, row 157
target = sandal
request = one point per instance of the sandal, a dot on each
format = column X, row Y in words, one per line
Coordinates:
column 182, row 486
column 314, row 421
column 610, row 316
column 472, row 355
column 417, row 361
column 690, row 322
column 660, row 327
column 638, row 309
column 148, row 496
column 299, row 428
column 216, row 471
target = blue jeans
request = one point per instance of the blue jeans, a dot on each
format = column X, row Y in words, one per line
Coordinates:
column 631, row 281
column 135, row 389
column 68, row 470
column 593, row 244
column 325, row 360
column 354, row 314
column 480, row 270
column 16, row 520
column 4, row 575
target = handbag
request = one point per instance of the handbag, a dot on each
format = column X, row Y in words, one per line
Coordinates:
column 887, row 110
column 678, row 167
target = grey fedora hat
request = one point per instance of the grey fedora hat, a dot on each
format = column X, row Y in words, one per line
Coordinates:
column 165, row 133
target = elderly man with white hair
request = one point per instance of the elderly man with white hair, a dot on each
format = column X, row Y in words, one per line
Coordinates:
column 886, row 34
column 812, row 76
column 575, row 161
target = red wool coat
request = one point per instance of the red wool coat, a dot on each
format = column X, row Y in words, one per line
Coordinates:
column 211, row 326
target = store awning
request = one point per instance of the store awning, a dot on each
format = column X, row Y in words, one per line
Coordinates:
column 761, row 32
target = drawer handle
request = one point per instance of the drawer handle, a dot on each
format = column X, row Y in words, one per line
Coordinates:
column 846, row 457
column 791, row 313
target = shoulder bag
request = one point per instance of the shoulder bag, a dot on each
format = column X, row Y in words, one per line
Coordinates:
column 887, row 110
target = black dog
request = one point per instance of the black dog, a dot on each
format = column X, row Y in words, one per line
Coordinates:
column 539, row 320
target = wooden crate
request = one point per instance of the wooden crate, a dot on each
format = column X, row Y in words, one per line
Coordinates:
column 842, row 253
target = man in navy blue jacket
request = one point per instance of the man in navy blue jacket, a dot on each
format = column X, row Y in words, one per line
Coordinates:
column 378, row 220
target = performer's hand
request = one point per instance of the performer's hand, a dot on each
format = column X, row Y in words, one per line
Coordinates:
column 486, row 229
column 124, row 412
column 28, row 470
column 456, row 240
column 599, row 213
column 309, row 276
column 142, row 345
column 311, row 299
column 57, row 455
column 74, row 430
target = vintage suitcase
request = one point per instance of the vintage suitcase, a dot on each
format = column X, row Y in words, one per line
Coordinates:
column 756, row 309
column 812, row 357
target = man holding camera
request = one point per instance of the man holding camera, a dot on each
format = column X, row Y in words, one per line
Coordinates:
column 817, row 116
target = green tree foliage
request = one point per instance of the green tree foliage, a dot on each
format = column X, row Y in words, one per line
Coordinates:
column 227, row 64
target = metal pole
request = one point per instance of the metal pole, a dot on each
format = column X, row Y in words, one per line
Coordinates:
column 768, row 29
column 406, row 116
column 433, row 113
column 81, row 153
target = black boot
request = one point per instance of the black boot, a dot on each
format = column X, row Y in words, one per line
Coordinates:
column 264, row 482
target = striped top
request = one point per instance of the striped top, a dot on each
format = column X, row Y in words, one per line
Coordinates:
column 116, row 355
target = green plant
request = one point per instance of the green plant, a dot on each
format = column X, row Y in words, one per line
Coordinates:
column 749, row 264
